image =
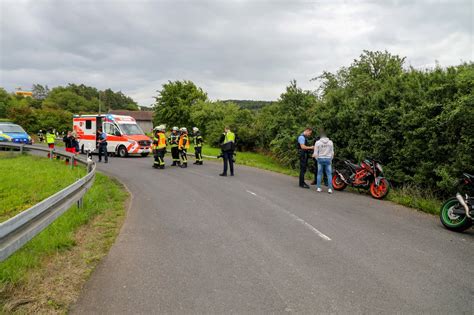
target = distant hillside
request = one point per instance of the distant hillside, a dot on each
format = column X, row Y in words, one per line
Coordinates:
column 248, row 104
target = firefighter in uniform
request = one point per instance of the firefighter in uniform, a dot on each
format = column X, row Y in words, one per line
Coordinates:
column 173, row 140
column 183, row 146
column 159, row 147
column 198, row 141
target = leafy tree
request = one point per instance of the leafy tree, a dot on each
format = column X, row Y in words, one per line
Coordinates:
column 175, row 101
column 5, row 100
column 40, row 92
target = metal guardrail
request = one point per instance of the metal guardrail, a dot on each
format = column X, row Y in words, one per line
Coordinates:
column 18, row 230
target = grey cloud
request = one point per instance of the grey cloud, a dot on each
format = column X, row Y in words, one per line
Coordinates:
column 234, row 49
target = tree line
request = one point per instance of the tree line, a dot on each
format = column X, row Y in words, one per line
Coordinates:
column 418, row 122
column 54, row 108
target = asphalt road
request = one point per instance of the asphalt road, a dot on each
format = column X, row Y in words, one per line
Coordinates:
column 194, row 242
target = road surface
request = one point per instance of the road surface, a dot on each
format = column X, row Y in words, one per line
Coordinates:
column 194, row 242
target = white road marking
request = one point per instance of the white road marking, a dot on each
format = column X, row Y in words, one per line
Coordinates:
column 294, row 217
column 309, row 226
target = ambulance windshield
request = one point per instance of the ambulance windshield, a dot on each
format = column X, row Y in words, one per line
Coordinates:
column 131, row 129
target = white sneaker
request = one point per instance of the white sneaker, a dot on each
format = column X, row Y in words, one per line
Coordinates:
column 329, row 191
column 319, row 190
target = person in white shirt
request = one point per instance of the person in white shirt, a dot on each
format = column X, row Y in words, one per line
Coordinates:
column 324, row 153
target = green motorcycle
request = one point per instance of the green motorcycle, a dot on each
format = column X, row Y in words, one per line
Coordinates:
column 457, row 213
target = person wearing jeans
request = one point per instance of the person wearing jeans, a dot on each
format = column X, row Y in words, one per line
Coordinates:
column 324, row 153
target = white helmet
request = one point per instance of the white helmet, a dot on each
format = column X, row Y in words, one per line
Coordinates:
column 183, row 129
column 195, row 129
column 175, row 129
column 160, row 128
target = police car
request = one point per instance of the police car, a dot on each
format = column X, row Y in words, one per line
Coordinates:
column 10, row 132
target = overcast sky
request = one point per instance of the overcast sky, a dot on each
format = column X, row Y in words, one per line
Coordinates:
column 232, row 49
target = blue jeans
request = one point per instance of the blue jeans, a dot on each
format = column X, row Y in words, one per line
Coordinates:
column 326, row 164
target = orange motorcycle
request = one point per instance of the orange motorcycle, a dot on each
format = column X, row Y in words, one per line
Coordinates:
column 366, row 175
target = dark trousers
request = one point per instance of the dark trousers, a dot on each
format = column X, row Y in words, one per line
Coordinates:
column 175, row 154
column 103, row 151
column 184, row 156
column 228, row 158
column 198, row 153
column 303, row 166
column 159, row 158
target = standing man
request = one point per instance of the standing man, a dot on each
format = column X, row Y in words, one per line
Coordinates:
column 227, row 142
column 173, row 140
column 198, row 141
column 159, row 147
column 304, row 151
column 183, row 146
column 324, row 153
column 50, row 139
column 102, row 140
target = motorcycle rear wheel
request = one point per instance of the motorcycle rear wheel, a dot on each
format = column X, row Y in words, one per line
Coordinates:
column 338, row 183
column 451, row 221
column 381, row 190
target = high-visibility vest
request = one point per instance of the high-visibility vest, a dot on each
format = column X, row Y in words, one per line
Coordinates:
column 229, row 137
column 183, row 142
column 161, row 141
column 50, row 138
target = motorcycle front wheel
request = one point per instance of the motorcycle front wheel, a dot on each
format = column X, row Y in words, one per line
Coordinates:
column 381, row 190
column 338, row 183
column 453, row 222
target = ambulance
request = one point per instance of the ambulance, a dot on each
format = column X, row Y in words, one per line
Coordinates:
column 124, row 136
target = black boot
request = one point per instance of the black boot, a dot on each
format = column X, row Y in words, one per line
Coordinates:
column 184, row 165
column 223, row 174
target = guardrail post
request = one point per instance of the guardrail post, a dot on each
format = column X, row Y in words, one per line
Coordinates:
column 89, row 166
column 51, row 154
column 80, row 203
column 21, row 148
column 72, row 161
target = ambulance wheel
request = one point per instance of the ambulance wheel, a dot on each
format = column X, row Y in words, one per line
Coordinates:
column 122, row 151
column 145, row 154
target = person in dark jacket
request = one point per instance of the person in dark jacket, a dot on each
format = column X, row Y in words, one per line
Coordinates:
column 304, row 150
column 102, row 142
column 227, row 141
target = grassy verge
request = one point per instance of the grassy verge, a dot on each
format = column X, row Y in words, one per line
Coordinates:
column 408, row 196
column 47, row 274
column 26, row 180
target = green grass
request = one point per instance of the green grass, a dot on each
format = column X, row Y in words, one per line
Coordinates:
column 253, row 159
column 408, row 196
column 26, row 180
column 415, row 197
column 106, row 195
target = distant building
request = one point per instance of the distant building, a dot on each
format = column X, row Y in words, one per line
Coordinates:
column 19, row 91
column 144, row 118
